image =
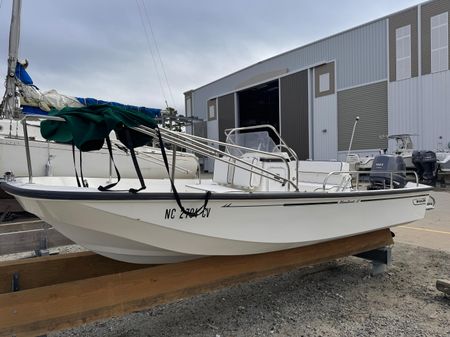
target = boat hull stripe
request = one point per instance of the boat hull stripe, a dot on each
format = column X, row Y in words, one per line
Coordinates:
column 121, row 195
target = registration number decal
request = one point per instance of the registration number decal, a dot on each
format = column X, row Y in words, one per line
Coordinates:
column 173, row 213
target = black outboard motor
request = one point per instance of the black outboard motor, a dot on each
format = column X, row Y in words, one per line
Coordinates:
column 428, row 163
column 380, row 173
column 417, row 161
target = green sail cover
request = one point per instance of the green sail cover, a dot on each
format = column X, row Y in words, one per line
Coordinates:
column 87, row 127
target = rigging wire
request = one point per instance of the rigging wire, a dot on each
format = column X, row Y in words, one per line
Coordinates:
column 157, row 50
column 158, row 67
column 151, row 50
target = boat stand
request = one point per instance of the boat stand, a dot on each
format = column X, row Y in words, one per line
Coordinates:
column 381, row 259
column 49, row 293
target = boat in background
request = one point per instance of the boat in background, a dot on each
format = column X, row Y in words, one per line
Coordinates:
column 404, row 148
column 53, row 159
column 260, row 199
column 443, row 159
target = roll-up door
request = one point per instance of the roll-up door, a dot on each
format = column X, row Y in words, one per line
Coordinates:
column 369, row 102
column 294, row 112
column 225, row 114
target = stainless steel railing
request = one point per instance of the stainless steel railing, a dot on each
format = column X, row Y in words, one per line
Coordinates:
column 193, row 143
column 199, row 145
column 27, row 141
column 358, row 173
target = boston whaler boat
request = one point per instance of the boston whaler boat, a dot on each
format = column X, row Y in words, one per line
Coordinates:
column 260, row 199
column 404, row 148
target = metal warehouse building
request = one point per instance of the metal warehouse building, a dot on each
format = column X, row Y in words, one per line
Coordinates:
column 392, row 72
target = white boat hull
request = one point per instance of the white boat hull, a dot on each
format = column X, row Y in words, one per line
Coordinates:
column 51, row 159
column 149, row 228
column 443, row 160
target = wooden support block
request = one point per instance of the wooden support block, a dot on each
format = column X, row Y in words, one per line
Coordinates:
column 444, row 286
column 19, row 226
column 40, row 310
column 24, row 241
column 49, row 270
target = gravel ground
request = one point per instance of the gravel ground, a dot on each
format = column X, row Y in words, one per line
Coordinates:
column 334, row 299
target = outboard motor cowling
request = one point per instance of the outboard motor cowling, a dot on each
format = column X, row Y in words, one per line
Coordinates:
column 429, row 164
column 417, row 162
column 385, row 168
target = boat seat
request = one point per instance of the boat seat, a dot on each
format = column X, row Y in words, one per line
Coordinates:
column 213, row 188
column 228, row 174
column 312, row 174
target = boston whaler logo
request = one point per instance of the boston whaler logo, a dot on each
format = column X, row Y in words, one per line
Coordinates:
column 419, row 201
column 349, row 201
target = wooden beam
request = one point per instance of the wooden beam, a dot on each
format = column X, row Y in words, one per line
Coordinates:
column 40, row 310
column 50, row 270
column 23, row 225
column 29, row 240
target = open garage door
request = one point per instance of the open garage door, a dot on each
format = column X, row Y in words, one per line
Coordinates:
column 294, row 112
column 260, row 105
column 226, row 115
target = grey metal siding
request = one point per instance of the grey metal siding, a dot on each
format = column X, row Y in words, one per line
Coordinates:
column 360, row 56
column 401, row 19
column 225, row 114
column 323, row 69
column 294, row 112
column 427, row 11
column 369, row 102
column 421, row 106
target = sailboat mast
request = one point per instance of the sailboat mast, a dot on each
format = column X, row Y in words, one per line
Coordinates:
column 9, row 103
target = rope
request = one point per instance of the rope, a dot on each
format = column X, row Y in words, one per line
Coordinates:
column 191, row 214
column 107, row 187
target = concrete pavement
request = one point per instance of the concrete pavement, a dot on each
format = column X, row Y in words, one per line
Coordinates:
column 431, row 232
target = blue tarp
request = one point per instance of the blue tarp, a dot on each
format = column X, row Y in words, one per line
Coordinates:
column 22, row 75
column 25, row 78
column 32, row 110
column 93, row 101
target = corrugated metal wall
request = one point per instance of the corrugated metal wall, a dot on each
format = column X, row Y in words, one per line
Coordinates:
column 369, row 102
column 294, row 112
column 404, row 107
column 427, row 11
column 421, row 106
column 360, row 56
column 396, row 21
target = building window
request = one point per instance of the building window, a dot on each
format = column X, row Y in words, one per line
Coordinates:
column 212, row 109
column 324, row 82
column 439, row 42
column 403, row 52
column 188, row 107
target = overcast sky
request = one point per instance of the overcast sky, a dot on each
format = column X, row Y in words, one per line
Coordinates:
column 99, row 48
